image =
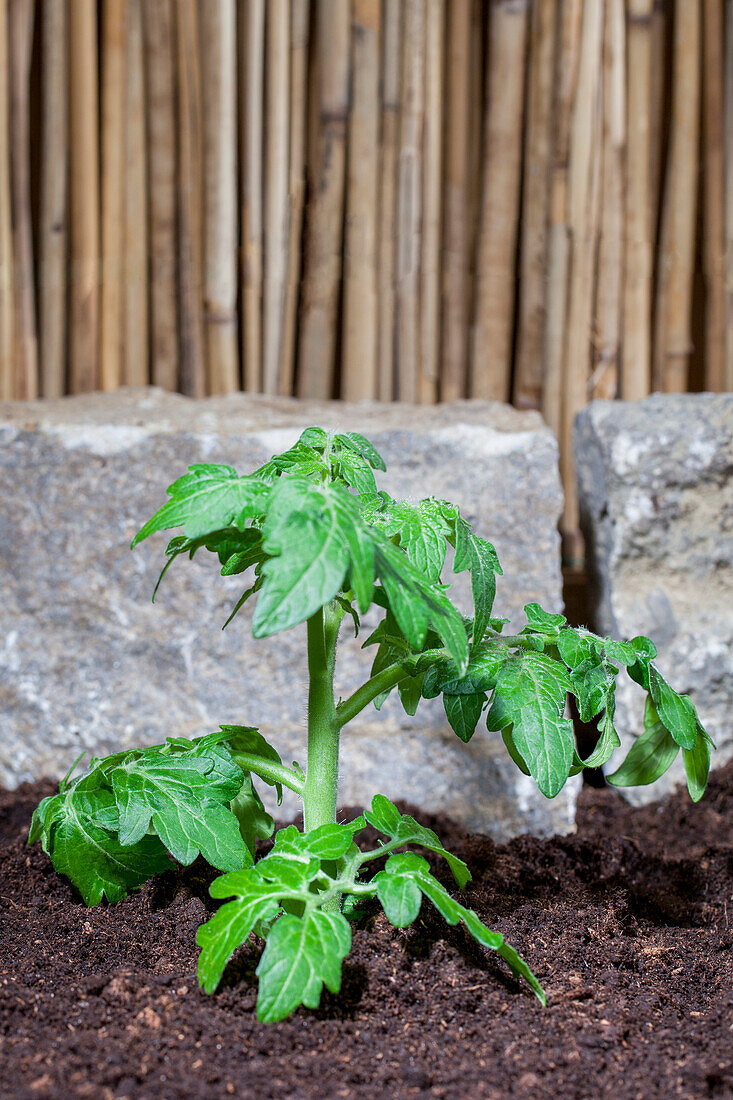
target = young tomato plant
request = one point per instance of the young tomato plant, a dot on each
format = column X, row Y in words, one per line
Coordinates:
column 320, row 542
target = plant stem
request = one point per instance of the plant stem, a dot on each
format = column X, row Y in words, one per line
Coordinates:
column 270, row 771
column 321, row 782
column 369, row 691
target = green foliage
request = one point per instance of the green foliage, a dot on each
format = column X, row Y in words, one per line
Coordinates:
column 319, row 541
column 114, row 827
column 287, row 898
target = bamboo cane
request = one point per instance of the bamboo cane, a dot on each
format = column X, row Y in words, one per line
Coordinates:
column 84, row 196
column 159, row 54
column 26, row 347
column 566, row 72
column 672, row 337
column 53, row 201
column 494, row 313
column 409, row 204
column 219, row 85
column 252, row 114
column 113, row 191
column 609, row 287
column 478, row 90
column 729, row 196
column 432, row 204
column 713, row 194
column 390, row 106
column 583, row 201
column 135, row 318
column 359, row 353
column 656, row 13
column 533, row 256
column 190, row 201
column 7, row 317
column 456, row 197
column 324, row 230
column 299, row 19
column 277, row 79
column 638, row 231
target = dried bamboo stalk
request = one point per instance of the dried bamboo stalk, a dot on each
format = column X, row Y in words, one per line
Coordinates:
column 299, row 28
column 219, row 85
column 429, row 366
column 609, row 286
column 657, row 12
column 478, row 90
column 409, row 201
column 324, row 230
column 190, row 201
column 277, row 78
column 558, row 244
column 113, row 191
column 491, row 357
column 533, row 255
column 52, row 240
column 252, row 114
column 456, row 199
column 390, row 107
column 583, row 211
column 159, row 66
column 84, row 196
column 672, row 335
column 135, row 318
column 359, row 351
column 26, row 344
column 713, row 194
column 639, row 231
column 729, row 196
column 7, row 308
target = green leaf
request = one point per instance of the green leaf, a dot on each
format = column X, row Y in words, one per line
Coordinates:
column 530, row 695
column 608, row 740
column 76, row 829
column 651, row 754
column 247, row 739
column 314, row 534
column 253, row 819
column 301, row 956
column 207, row 499
column 231, row 925
column 697, row 766
column 184, row 798
column 481, row 672
column 592, row 682
column 543, row 622
column 386, row 818
column 421, row 529
column 480, row 558
column 362, row 446
column 463, row 712
column 417, row 604
column 354, row 471
column 406, row 877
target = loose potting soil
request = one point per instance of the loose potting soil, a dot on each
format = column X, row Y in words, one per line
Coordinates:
column 628, row 924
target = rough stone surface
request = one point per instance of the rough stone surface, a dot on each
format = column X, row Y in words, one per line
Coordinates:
column 86, row 662
column 656, row 491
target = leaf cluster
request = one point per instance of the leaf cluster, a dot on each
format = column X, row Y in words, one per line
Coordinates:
column 287, row 898
column 116, row 826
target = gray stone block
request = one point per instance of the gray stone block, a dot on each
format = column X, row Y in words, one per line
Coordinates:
column 86, row 662
column 656, row 491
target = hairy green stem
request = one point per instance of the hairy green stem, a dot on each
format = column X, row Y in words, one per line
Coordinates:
column 270, row 771
column 321, row 783
column 369, row 691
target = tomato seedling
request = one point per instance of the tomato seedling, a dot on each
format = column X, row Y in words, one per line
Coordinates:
column 320, row 542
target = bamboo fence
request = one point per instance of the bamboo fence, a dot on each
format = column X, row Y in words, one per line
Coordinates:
column 423, row 200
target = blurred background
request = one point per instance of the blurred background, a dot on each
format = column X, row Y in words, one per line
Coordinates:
column 417, row 200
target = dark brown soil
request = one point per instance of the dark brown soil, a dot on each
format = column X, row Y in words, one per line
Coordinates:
column 627, row 924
